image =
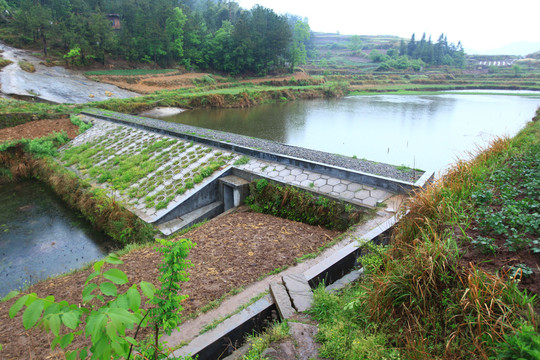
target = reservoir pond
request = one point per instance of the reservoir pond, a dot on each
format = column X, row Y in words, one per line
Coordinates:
column 428, row 132
column 41, row 237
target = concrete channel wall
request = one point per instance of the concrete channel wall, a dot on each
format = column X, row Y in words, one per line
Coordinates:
column 162, row 127
column 229, row 335
column 210, row 193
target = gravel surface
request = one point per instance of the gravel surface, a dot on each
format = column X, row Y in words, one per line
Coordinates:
column 365, row 166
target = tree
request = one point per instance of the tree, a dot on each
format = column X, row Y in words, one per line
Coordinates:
column 355, row 45
column 270, row 37
column 221, row 47
column 196, row 35
column 301, row 35
column 377, row 56
column 175, row 31
column 165, row 315
column 34, row 23
column 517, row 69
column 411, row 46
column 402, row 48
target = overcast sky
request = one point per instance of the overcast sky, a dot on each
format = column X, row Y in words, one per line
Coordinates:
column 479, row 24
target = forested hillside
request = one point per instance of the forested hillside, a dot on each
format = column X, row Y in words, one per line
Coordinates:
column 198, row 34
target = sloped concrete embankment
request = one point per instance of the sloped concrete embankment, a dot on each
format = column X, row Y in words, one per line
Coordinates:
column 226, row 187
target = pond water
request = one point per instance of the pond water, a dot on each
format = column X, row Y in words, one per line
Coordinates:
column 41, row 237
column 422, row 131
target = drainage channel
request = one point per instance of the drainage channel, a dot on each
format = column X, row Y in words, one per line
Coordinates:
column 334, row 270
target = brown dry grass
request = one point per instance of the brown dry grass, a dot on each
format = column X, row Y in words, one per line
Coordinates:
column 434, row 298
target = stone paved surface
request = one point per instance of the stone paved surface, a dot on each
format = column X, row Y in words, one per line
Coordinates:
column 359, row 194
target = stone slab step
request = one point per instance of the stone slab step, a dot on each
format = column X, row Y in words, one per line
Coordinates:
column 299, row 291
column 282, row 300
column 206, row 212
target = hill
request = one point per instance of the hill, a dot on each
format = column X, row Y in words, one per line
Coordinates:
column 520, row 48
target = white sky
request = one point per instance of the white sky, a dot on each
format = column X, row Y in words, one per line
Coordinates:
column 479, row 24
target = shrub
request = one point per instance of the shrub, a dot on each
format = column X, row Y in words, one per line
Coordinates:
column 26, row 66
column 298, row 205
column 524, row 344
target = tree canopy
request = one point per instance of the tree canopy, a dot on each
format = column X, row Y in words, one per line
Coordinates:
column 203, row 34
column 439, row 53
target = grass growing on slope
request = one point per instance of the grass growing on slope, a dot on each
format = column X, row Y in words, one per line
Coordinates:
column 429, row 298
column 4, row 62
column 345, row 331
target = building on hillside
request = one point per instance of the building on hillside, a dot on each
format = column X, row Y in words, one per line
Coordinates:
column 115, row 20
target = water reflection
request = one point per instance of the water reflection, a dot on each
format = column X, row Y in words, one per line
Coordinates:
column 427, row 131
column 41, row 237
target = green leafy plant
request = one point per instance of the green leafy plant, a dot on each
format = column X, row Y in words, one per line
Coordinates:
column 242, row 161
column 106, row 315
column 103, row 317
column 298, row 205
column 83, row 126
column 165, row 315
column 372, row 257
column 520, row 271
column 524, row 344
column 485, row 244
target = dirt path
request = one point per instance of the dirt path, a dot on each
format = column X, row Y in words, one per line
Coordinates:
column 39, row 128
column 231, row 252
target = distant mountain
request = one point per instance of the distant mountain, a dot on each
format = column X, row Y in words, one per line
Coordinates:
column 516, row 48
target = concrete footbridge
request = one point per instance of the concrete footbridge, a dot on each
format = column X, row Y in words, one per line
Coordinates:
column 173, row 176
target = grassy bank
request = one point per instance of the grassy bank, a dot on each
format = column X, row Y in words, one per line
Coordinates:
column 460, row 278
column 237, row 95
column 231, row 96
column 15, row 112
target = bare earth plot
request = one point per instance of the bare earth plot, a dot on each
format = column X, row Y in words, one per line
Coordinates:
column 232, row 251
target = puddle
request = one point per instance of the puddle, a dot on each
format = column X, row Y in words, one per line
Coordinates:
column 41, row 237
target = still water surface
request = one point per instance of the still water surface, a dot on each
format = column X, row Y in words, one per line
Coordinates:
column 41, row 237
column 422, row 131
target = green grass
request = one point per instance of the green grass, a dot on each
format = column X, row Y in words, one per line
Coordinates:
column 40, row 147
column 128, row 172
column 26, row 66
column 4, row 62
column 444, row 90
column 215, row 303
column 259, row 343
column 242, row 161
column 31, row 110
column 418, row 299
column 273, row 272
column 345, row 332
